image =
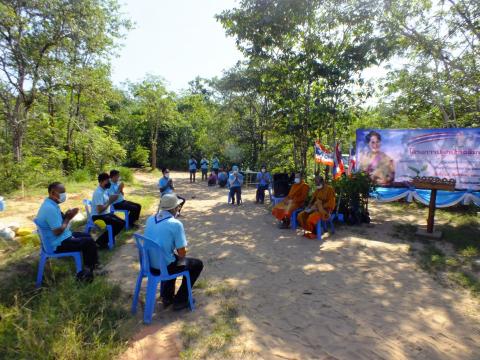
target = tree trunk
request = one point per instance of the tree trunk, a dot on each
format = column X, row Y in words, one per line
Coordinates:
column 153, row 151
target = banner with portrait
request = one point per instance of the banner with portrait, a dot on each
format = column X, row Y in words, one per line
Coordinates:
column 393, row 157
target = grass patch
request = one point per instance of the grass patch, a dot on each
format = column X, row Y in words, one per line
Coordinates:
column 404, row 231
column 466, row 280
column 432, row 259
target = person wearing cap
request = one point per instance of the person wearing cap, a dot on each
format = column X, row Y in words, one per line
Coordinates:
column 320, row 207
column 264, row 180
column 168, row 232
column 235, row 181
column 295, row 199
column 116, row 188
column 192, row 168
column 101, row 202
column 165, row 185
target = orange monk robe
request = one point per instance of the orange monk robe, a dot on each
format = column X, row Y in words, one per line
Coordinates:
column 295, row 199
column 322, row 203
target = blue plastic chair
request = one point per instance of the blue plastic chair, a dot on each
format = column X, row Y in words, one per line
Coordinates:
column 47, row 252
column 90, row 224
column 322, row 225
column 145, row 246
column 125, row 213
column 276, row 200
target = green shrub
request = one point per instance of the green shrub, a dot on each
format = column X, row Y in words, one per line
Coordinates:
column 139, row 157
column 126, row 174
column 80, row 175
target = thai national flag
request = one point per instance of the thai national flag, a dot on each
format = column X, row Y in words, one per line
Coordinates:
column 322, row 155
column 338, row 168
column 351, row 161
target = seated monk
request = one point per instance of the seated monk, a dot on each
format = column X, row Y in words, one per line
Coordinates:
column 320, row 207
column 295, row 199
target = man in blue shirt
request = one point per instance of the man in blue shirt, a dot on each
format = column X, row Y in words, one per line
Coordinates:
column 204, row 167
column 222, row 178
column 235, row 181
column 54, row 225
column 215, row 165
column 169, row 234
column 264, row 180
column 192, row 167
column 165, row 185
column 116, row 188
column 101, row 202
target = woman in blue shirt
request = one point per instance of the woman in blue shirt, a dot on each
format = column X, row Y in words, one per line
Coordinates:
column 192, row 167
column 235, row 181
column 264, row 180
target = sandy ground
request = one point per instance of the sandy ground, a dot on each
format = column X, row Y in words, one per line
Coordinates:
column 357, row 295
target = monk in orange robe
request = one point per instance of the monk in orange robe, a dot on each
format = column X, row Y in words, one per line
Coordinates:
column 295, row 199
column 320, row 207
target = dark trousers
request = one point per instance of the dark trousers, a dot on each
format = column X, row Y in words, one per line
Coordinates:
column 236, row 190
column 133, row 208
column 193, row 266
column 222, row 183
column 261, row 193
column 84, row 243
column 215, row 171
column 110, row 219
column 192, row 175
column 204, row 174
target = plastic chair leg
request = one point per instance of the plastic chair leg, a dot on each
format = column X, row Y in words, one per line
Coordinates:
column 111, row 239
column 41, row 268
column 78, row 262
column 190, row 295
column 150, row 300
column 136, row 294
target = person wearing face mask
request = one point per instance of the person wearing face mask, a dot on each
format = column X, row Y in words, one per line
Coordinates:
column 264, row 180
column 57, row 233
column 320, row 207
column 295, row 199
column 168, row 232
column 101, row 202
column 116, row 188
column 165, row 185
column 192, row 168
column 235, row 181
column 204, row 167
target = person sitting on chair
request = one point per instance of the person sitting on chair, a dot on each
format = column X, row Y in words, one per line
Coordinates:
column 165, row 185
column 212, row 179
column 101, row 202
column 295, row 199
column 222, row 178
column 116, row 188
column 264, row 180
column 56, row 230
column 235, row 181
column 167, row 231
column 320, row 207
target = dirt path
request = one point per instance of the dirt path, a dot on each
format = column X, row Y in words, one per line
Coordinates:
column 358, row 295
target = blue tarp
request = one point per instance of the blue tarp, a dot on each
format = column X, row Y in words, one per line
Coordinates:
column 444, row 198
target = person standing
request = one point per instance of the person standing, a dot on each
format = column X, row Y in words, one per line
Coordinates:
column 101, row 202
column 165, row 185
column 192, row 167
column 116, row 188
column 215, row 165
column 204, row 167
column 56, row 230
column 235, row 181
column 264, row 180
column 168, row 232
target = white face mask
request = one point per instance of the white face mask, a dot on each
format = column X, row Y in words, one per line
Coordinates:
column 319, row 187
column 62, row 197
column 263, row 170
column 167, row 175
column 235, row 172
column 297, row 180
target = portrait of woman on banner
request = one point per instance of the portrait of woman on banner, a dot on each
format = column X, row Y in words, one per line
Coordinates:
column 376, row 163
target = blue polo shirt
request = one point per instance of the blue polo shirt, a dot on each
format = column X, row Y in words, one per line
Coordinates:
column 192, row 164
column 115, row 190
column 162, row 183
column 168, row 233
column 263, row 179
column 215, row 164
column 238, row 181
column 50, row 217
column 100, row 197
column 204, row 164
column 222, row 176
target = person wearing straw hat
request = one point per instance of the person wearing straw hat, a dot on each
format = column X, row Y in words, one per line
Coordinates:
column 168, row 232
